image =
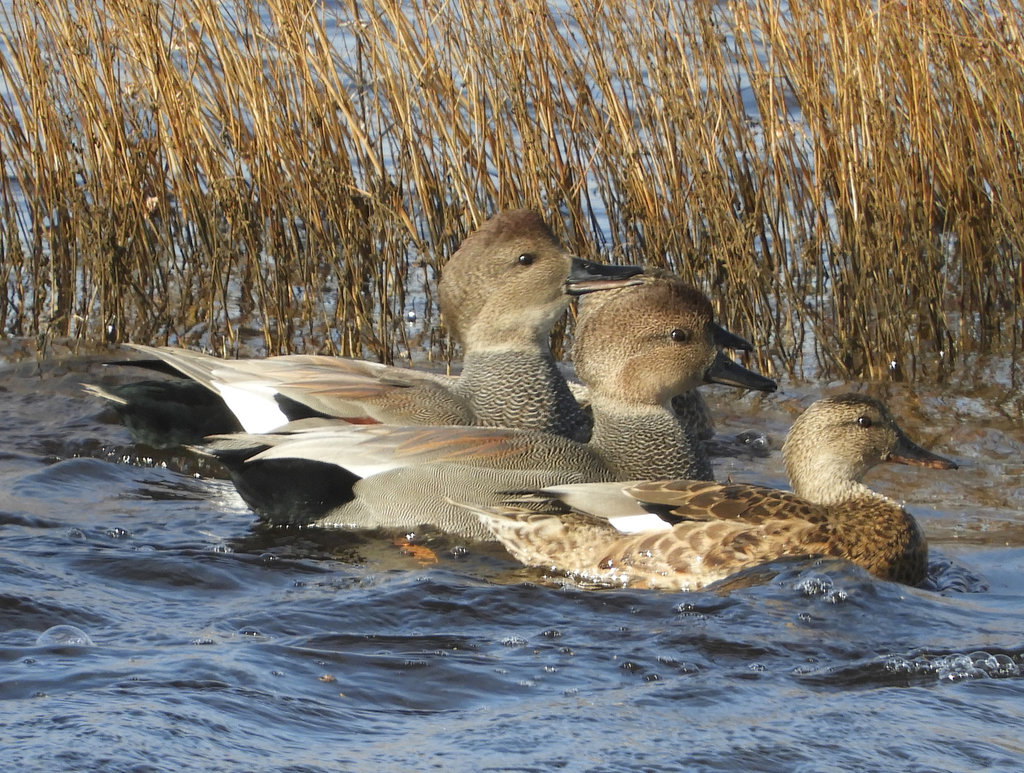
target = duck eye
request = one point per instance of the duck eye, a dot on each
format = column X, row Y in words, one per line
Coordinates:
column 864, row 421
column 679, row 335
column 526, row 259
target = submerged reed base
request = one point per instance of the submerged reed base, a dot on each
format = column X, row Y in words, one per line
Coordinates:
column 845, row 181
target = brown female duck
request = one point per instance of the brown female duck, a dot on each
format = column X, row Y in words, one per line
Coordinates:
column 693, row 533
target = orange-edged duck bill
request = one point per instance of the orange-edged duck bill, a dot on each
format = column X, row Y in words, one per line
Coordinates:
column 909, row 452
column 585, row 276
column 725, row 371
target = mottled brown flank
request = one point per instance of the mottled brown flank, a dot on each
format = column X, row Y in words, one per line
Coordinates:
column 753, row 525
column 719, row 529
column 885, row 541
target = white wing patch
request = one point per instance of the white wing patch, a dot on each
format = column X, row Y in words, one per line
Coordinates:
column 641, row 522
column 253, row 404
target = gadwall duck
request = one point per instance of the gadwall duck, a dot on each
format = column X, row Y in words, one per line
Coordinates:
column 690, row 408
column 500, row 294
column 635, row 353
column 692, row 533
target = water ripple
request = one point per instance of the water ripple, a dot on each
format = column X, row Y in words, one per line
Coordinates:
column 214, row 638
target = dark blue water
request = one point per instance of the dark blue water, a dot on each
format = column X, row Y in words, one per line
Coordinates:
column 148, row 624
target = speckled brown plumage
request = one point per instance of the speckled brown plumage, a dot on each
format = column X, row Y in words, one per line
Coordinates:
column 712, row 530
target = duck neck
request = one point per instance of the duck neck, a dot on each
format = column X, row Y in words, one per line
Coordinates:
column 521, row 389
column 644, row 441
column 827, row 484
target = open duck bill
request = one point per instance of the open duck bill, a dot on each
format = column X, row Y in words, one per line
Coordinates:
column 725, row 371
column 585, row 276
column 909, row 452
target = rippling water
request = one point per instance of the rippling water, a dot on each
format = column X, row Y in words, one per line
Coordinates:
column 147, row 624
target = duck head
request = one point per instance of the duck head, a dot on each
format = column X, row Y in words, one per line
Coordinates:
column 510, row 281
column 648, row 343
column 833, row 444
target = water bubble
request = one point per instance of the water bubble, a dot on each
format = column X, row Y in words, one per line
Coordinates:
column 514, row 641
column 64, row 636
column 815, row 586
column 1000, row 665
column 899, row 665
column 75, row 533
column 821, row 585
column 117, row 533
column 956, row 668
column 410, row 316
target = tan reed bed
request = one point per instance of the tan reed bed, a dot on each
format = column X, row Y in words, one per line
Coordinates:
column 846, row 181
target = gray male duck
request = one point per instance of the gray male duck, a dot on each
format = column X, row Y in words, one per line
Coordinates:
column 500, row 294
column 634, row 352
column 692, row 533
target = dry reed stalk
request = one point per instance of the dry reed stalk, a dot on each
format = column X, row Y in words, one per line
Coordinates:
column 844, row 179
